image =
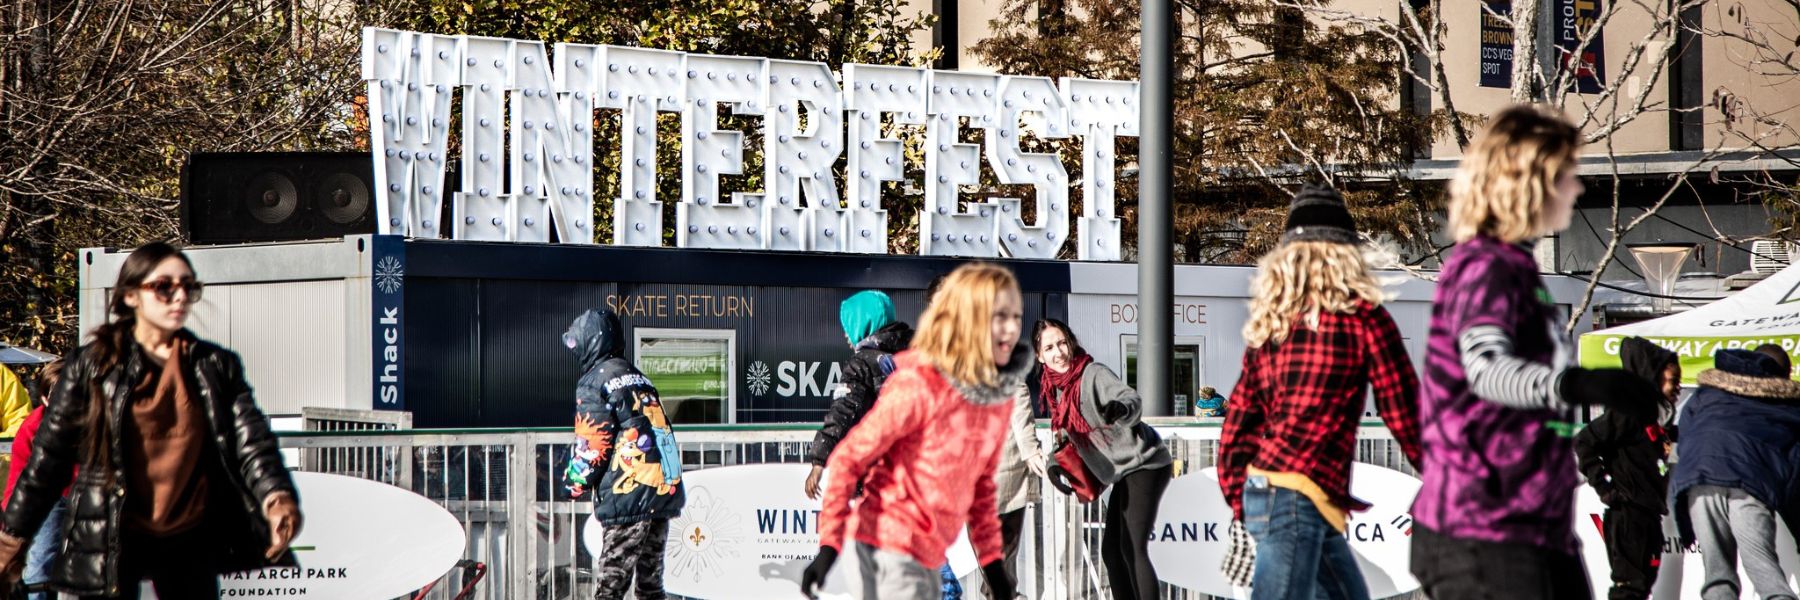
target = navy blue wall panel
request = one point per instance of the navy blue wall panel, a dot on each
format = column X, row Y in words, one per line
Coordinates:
column 482, row 336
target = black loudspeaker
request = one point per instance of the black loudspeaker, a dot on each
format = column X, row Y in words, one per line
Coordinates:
column 238, row 197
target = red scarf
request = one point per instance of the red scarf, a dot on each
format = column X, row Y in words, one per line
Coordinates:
column 1065, row 407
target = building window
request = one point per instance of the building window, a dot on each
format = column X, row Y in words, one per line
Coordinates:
column 1186, row 379
column 692, row 370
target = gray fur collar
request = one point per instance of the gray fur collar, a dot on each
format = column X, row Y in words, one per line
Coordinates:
column 1007, row 384
column 1755, row 387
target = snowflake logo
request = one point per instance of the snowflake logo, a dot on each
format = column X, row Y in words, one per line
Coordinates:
column 759, row 378
column 388, row 272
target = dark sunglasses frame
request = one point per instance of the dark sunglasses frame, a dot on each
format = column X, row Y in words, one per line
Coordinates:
column 164, row 289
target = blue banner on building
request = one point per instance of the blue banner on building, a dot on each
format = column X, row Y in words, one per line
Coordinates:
column 1496, row 44
column 1574, row 19
column 387, row 293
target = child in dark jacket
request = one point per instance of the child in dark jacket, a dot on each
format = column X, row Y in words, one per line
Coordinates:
column 874, row 336
column 1624, row 455
column 621, row 430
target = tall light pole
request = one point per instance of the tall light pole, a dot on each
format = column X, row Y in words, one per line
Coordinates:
column 1156, row 268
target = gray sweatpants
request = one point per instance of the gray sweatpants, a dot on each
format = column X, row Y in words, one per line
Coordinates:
column 1729, row 523
column 889, row 575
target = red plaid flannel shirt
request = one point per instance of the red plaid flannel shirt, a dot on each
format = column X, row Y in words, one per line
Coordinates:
column 1298, row 403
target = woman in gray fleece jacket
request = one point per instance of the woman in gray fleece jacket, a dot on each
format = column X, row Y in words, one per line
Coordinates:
column 1091, row 408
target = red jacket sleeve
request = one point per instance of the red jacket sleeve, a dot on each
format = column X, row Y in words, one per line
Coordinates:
column 984, row 522
column 21, row 451
column 900, row 412
column 1243, row 428
column 1395, row 384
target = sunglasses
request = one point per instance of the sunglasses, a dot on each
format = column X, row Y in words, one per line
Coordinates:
column 164, row 289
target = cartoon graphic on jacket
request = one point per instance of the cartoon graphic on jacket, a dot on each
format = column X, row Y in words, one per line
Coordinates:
column 620, row 430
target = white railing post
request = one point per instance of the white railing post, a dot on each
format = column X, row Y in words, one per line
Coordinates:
column 521, row 490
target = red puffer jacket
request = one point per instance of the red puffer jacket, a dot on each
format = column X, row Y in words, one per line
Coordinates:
column 926, row 455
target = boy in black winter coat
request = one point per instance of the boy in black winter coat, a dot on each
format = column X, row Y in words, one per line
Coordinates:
column 625, row 452
column 1624, row 456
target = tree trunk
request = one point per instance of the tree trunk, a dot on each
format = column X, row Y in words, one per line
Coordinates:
column 1525, row 85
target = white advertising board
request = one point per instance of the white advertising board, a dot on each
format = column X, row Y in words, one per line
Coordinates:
column 748, row 532
column 1190, row 539
column 362, row 539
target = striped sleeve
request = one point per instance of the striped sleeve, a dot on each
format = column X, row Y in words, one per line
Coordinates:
column 1497, row 375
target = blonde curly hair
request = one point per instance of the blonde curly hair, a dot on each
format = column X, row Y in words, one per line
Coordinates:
column 1504, row 180
column 1300, row 279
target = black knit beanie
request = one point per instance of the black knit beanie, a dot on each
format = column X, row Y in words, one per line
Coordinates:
column 1318, row 214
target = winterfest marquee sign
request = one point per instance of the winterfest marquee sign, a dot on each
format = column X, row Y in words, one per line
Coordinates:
column 544, row 102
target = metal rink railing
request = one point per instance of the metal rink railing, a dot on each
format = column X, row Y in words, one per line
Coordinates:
column 504, row 486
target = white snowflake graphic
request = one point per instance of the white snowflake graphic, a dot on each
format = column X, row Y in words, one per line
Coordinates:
column 759, row 378
column 388, row 272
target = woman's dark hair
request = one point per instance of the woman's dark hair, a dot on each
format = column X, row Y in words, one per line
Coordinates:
column 46, row 381
column 1037, row 336
column 112, row 339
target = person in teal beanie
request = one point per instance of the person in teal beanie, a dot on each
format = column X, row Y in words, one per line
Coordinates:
column 864, row 313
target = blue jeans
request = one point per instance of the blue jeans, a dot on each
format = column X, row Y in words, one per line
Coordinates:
column 951, row 585
column 43, row 551
column 1299, row 556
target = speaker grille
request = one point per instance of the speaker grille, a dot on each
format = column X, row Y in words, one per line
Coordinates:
column 276, row 196
column 343, row 198
column 270, row 198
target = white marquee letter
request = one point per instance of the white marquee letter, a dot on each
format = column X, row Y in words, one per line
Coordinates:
column 483, row 210
column 875, row 158
column 1099, row 110
column 640, row 82
column 1038, row 99
column 796, row 160
column 945, row 229
column 409, row 77
column 550, row 158
column 703, row 219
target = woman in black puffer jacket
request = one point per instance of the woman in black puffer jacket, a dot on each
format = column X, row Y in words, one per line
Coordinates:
column 180, row 478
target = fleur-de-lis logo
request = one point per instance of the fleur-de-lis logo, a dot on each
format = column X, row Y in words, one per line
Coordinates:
column 705, row 538
column 697, row 537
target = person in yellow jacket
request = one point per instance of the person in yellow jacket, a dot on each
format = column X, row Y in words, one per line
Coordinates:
column 15, row 405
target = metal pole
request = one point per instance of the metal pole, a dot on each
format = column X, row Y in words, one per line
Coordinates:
column 1156, row 269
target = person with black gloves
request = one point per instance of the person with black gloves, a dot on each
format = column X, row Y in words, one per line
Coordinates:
column 1494, row 515
column 1091, row 409
column 1624, row 455
column 925, row 454
column 874, row 334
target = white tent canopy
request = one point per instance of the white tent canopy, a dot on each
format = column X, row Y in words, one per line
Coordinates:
column 1765, row 313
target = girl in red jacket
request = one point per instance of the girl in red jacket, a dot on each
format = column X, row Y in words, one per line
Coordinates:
column 926, row 452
